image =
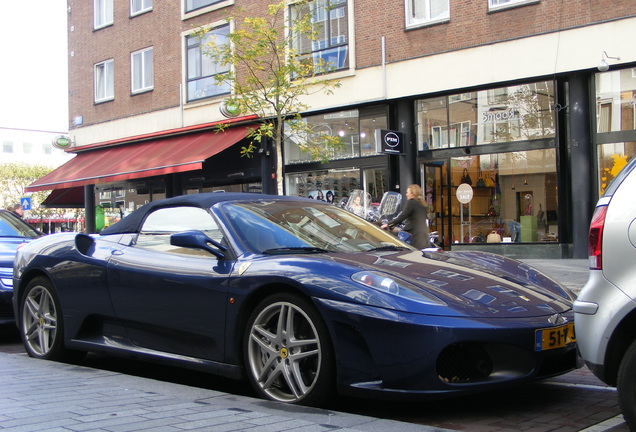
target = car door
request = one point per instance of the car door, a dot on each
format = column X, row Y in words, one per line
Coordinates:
column 172, row 299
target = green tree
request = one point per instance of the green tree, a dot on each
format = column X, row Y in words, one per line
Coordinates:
column 14, row 178
column 269, row 76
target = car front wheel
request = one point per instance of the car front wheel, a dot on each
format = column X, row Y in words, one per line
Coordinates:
column 288, row 352
column 627, row 386
column 41, row 324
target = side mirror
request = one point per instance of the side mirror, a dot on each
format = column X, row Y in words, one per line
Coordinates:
column 197, row 240
column 85, row 244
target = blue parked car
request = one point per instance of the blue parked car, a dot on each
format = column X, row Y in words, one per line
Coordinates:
column 13, row 232
column 301, row 298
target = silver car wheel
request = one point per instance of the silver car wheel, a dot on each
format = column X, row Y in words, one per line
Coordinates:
column 284, row 352
column 39, row 321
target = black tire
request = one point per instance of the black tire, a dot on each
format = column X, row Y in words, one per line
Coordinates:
column 626, row 385
column 41, row 324
column 288, row 352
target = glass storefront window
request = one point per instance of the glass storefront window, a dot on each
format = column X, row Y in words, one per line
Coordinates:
column 615, row 101
column 354, row 128
column 612, row 158
column 514, row 198
column 331, row 186
column 507, row 114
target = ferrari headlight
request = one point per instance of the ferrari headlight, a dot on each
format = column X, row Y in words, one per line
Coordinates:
column 398, row 287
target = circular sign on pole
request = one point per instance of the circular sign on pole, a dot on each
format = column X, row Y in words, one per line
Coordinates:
column 464, row 193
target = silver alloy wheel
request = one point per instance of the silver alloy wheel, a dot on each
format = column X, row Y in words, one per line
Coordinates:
column 39, row 321
column 284, row 352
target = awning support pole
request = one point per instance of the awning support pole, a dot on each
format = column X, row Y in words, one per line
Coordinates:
column 89, row 208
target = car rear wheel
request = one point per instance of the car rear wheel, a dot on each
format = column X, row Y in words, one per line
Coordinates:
column 288, row 352
column 627, row 386
column 41, row 324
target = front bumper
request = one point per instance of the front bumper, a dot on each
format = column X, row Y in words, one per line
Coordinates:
column 399, row 355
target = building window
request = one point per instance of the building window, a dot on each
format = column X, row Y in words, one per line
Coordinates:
column 202, row 71
column 421, row 12
column 27, row 147
column 140, row 6
column 502, row 115
column 104, row 81
column 7, row 147
column 47, row 149
column 142, row 72
column 102, row 13
column 502, row 4
column 191, row 5
column 329, row 50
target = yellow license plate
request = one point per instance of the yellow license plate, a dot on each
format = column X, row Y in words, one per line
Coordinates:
column 555, row 337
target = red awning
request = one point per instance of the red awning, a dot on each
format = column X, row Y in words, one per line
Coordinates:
column 65, row 198
column 144, row 159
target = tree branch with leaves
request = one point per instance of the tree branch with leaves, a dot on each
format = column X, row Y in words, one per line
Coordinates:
column 270, row 73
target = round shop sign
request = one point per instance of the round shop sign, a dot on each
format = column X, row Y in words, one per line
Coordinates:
column 464, row 193
column 61, row 142
column 229, row 109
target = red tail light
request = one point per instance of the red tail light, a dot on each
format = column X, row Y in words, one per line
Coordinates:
column 595, row 239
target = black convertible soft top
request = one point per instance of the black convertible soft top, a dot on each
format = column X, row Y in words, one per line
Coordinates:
column 132, row 222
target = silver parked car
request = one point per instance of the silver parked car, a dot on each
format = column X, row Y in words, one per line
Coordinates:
column 605, row 311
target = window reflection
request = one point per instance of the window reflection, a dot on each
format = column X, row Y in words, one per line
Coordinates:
column 502, row 115
column 354, row 128
column 615, row 101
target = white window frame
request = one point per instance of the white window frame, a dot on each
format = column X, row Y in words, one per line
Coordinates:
column 138, row 7
column 103, row 13
column 428, row 17
column 142, row 70
column 104, row 76
column 503, row 4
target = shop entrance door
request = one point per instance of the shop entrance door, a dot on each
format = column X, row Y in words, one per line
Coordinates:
column 435, row 187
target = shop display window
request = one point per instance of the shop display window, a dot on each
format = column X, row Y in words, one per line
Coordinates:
column 331, row 186
column 514, row 198
column 612, row 158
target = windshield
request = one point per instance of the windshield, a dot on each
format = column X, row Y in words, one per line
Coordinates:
column 12, row 226
column 297, row 227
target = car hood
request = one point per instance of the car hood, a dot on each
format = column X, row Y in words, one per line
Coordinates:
column 8, row 247
column 471, row 283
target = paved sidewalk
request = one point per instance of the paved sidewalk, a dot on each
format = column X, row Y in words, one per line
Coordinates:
column 38, row 395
